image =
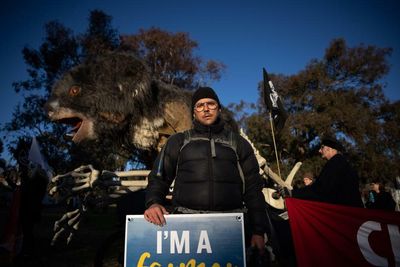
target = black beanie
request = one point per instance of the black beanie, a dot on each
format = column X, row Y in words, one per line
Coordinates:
column 332, row 143
column 204, row 92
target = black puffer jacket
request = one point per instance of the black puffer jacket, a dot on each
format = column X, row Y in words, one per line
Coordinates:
column 205, row 181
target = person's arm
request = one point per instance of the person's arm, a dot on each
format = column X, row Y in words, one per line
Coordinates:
column 160, row 179
column 258, row 242
column 157, row 190
column 253, row 196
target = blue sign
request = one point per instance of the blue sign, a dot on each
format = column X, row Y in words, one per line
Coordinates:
column 186, row 240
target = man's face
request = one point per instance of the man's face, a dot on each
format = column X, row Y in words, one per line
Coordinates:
column 327, row 152
column 206, row 111
column 374, row 186
column 323, row 150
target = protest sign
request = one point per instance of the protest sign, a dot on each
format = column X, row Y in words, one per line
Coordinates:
column 186, row 239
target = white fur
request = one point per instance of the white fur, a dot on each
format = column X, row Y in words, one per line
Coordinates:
column 146, row 133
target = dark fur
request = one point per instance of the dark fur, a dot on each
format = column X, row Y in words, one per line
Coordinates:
column 120, row 86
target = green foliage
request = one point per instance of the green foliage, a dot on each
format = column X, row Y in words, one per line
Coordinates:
column 170, row 57
column 100, row 36
column 340, row 95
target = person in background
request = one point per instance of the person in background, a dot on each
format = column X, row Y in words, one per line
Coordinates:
column 34, row 182
column 378, row 198
column 308, row 178
column 338, row 182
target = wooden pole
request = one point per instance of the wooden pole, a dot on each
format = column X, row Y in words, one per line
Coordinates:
column 273, row 139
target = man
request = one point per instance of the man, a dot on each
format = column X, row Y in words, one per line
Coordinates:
column 206, row 171
column 337, row 182
column 379, row 198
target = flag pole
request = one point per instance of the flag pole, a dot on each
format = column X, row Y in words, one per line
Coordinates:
column 275, row 148
column 271, row 100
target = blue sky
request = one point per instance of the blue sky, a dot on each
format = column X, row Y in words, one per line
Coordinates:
column 282, row 36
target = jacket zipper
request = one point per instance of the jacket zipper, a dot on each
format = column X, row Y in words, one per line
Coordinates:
column 210, row 165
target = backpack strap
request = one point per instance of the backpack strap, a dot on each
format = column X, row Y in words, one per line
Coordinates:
column 186, row 140
column 233, row 145
column 161, row 161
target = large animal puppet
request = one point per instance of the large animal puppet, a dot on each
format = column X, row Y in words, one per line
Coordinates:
column 115, row 107
column 113, row 103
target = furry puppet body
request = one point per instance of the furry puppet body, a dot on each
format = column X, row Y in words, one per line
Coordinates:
column 112, row 102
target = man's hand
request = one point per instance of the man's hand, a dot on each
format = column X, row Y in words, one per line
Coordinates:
column 283, row 192
column 258, row 242
column 155, row 214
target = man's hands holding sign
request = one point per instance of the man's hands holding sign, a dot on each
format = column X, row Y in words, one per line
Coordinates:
column 155, row 214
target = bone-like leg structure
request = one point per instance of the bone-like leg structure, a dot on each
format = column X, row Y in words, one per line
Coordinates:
column 68, row 223
column 271, row 196
column 266, row 171
column 96, row 188
column 93, row 188
column 289, row 178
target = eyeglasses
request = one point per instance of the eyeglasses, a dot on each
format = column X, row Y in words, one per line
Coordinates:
column 212, row 105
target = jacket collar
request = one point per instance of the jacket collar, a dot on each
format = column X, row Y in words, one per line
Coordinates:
column 216, row 127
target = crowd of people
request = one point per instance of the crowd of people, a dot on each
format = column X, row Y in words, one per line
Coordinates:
column 215, row 170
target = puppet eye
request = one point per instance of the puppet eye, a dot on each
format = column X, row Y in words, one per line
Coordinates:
column 74, row 90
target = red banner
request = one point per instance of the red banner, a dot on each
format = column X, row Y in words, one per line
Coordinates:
column 334, row 235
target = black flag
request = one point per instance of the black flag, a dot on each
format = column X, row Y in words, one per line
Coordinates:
column 273, row 102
